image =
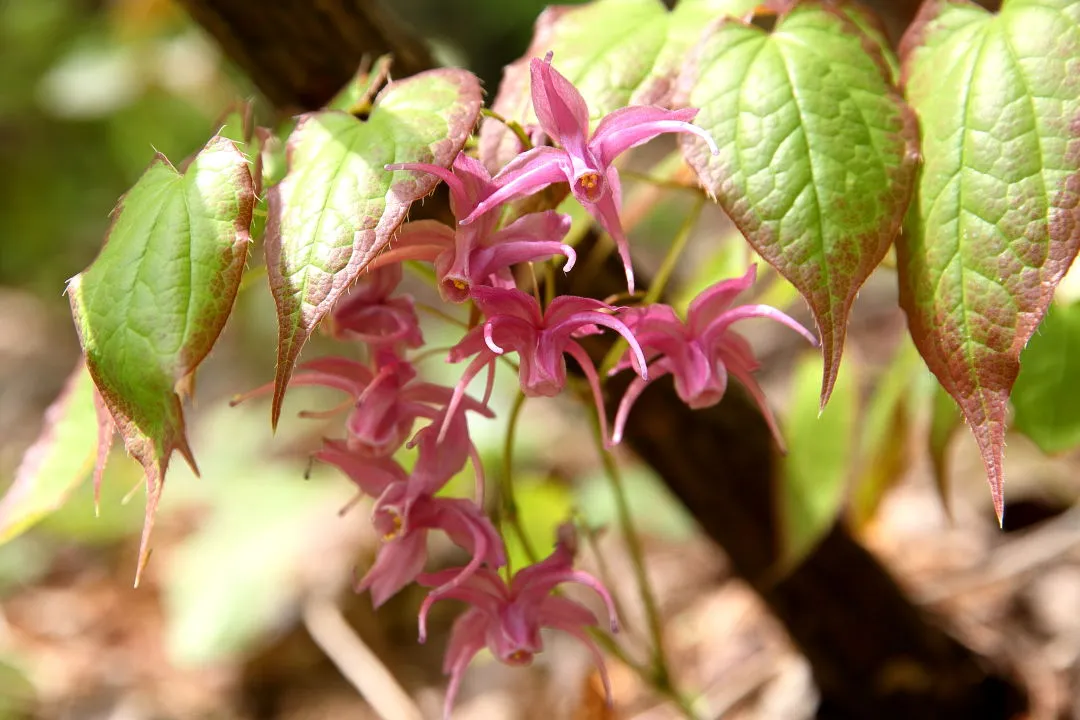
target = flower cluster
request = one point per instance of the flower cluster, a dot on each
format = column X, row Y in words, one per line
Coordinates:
column 473, row 261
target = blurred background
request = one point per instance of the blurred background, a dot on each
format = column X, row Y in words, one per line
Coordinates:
column 222, row 626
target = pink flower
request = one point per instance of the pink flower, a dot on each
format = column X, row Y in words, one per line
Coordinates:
column 508, row 619
column 515, row 323
column 385, row 402
column 368, row 314
column 583, row 161
column 477, row 254
column 407, row 508
column 701, row 352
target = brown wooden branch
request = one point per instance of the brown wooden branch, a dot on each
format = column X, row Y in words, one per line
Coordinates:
column 299, row 53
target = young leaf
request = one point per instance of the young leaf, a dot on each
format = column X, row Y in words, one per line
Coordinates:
column 815, row 472
column 616, row 52
column 997, row 219
column 817, row 153
column 151, row 305
column 1046, row 396
column 337, row 207
column 57, row 462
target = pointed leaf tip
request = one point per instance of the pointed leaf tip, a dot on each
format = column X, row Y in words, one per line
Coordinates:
column 990, row 239
column 817, row 173
column 151, row 305
column 337, row 207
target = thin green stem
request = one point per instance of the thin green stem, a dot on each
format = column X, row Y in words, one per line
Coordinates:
column 514, row 126
column 432, row 310
column 637, row 556
column 678, row 245
column 509, row 504
column 649, row 675
column 660, row 281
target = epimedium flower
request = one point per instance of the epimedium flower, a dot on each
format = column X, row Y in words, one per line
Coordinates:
column 583, row 160
column 407, row 508
column 369, row 314
column 515, row 323
column 703, row 351
column 508, row 618
column 385, row 402
column 477, row 254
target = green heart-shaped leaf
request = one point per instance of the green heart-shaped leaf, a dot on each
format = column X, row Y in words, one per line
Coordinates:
column 817, row 153
column 153, row 302
column 337, row 207
column 996, row 223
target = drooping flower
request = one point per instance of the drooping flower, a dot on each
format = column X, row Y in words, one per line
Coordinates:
column 477, row 254
column 385, row 403
column 702, row 352
column 582, row 160
column 404, row 529
column 515, row 323
column 369, row 314
column 507, row 619
column 407, row 508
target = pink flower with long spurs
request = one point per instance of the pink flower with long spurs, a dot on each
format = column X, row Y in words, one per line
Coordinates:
column 370, row 315
column 541, row 339
column 385, row 403
column 584, row 161
column 702, row 352
column 407, row 508
column 507, row 619
column 478, row 254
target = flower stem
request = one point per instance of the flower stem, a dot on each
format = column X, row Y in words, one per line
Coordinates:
column 661, row 674
column 513, row 125
column 678, row 245
column 509, row 504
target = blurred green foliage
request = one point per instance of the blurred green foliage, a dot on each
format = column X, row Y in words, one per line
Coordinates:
column 88, row 93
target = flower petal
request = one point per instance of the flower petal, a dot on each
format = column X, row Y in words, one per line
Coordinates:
column 606, row 212
column 467, row 638
column 371, row 475
column 396, row 565
column 632, row 126
column 417, row 240
column 527, row 173
column 559, row 107
column 717, row 298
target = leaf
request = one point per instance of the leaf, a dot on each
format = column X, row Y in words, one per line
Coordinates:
column 337, row 207
column 817, row 153
column 996, row 223
column 151, row 305
column 815, row 472
column 874, row 30
column 616, row 52
column 1046, row 396
column 57, row 462
column 883, row 437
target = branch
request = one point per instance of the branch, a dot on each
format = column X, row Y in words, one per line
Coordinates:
column 300, row 53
